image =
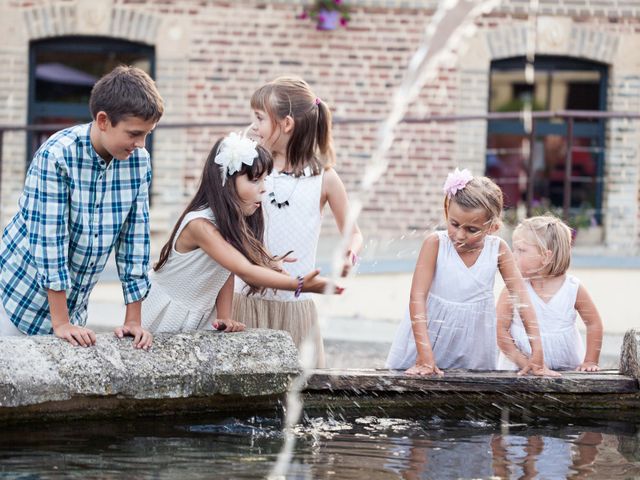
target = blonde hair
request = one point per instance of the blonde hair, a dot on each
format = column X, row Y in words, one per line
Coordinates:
column 479, row 192
column 311, row 143
column 549, row 233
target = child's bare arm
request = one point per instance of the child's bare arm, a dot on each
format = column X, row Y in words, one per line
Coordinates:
column 504, row 314
column 204, row 235
column 420, row 285
column 591, row 318
column 336, row 195
column 224, row 303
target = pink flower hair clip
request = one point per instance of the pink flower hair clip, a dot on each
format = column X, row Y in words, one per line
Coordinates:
column 456, row 181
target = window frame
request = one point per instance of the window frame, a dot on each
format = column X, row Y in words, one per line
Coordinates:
column 542, row 127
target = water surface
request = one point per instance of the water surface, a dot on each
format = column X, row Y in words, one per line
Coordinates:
column 336, row 448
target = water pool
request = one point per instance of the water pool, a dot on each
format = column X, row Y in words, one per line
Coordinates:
column 356, row 447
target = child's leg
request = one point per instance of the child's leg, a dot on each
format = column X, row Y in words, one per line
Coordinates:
column 7, row 328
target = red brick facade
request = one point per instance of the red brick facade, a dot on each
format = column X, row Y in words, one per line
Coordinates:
column 211, row 55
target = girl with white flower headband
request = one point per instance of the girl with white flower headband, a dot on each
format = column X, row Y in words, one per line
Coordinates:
column 452, row 317
column 219, row 235
column 295, row 126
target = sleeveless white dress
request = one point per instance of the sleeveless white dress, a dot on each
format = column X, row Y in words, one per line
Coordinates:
column 183, row 293
column 296, row 227
column 461, row 312
column 562, row 344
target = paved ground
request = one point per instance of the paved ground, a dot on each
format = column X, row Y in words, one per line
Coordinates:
column 359, row 325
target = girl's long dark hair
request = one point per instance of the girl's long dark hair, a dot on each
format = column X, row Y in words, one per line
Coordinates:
column 244, row 233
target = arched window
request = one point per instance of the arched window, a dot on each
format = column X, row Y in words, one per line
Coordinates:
column 62, row 72
column 537, row 175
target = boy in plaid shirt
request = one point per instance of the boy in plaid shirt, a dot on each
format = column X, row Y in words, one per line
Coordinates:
column 86, row 192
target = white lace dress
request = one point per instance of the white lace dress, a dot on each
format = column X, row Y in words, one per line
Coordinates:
column 296, row 227
column 184, row 292
column 461, row 312
column 562, row 344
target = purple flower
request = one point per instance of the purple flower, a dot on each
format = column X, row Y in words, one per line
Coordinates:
column 338, row 2
column 456, row 181
column 303, row 15
column 344, row 21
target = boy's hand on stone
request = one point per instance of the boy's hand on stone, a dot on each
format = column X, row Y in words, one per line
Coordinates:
column 141, row 337
column 75, row 335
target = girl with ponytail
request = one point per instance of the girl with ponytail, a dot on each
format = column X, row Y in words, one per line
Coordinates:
column 294, row 125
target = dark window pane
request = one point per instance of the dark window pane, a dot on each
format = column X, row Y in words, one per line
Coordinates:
column 67, row 77
column 507, row 167
column 63, row 71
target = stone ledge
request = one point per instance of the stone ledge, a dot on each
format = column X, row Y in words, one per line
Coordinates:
column 630, row 355
column 45, row 371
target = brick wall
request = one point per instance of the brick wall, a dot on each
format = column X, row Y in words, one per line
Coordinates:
column 210, row 56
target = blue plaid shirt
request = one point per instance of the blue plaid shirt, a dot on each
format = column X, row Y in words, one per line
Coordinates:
column 74, row 209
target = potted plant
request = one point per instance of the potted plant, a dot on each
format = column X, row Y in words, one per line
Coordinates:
column 327, row 14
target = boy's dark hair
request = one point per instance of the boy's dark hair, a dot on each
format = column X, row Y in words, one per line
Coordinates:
column 244, row 233
column 126, row 92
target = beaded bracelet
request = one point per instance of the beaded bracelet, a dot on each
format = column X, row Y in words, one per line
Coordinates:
column 300, row 285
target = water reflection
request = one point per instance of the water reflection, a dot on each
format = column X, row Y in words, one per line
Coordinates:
column 589, row 454
column 346, row 448
column 515, row 456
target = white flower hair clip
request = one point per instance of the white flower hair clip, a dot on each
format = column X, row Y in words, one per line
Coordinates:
column 235, row 150
column 456, row 181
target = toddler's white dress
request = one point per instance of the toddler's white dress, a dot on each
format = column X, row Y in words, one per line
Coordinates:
column 461, row 312
column 561, row 341
column 183, row 293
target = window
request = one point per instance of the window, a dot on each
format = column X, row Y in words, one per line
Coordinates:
column 62, row 72
column 535, row 176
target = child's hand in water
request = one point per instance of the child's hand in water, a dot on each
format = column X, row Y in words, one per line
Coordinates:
column 312, row 282
column 588, row 367
column 538, row 370
column 228, row 326
column 424, row 369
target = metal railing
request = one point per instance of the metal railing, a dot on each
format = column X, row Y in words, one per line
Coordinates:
column 570, row 116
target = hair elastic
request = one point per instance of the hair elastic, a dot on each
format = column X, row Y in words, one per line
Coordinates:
column 318, row 100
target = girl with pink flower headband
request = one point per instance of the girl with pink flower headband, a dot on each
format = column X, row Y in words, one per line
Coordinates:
column 451, row 321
